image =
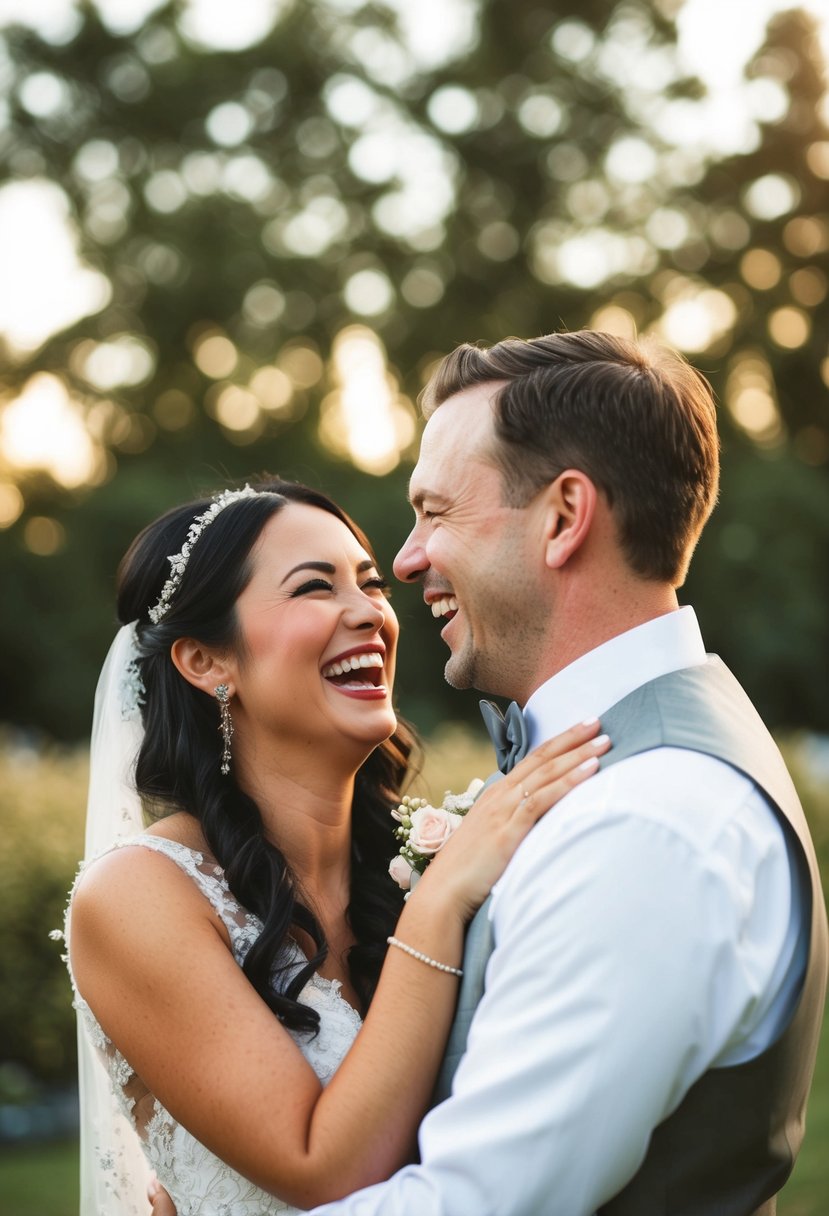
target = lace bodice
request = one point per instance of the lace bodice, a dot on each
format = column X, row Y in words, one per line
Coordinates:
column 198, row 1181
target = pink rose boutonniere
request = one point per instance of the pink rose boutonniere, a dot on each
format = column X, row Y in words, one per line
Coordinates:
column 423, row 830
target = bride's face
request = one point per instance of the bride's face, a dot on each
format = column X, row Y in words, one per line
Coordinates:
column 320, row 639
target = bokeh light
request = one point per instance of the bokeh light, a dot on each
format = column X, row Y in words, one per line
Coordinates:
column 11, row 504
column 43, row 429
column 365, row 418
column 46, row 286
column 43, row 535
column 751, row 400
column 215, row 354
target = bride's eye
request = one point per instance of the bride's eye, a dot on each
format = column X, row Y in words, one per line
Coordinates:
column 313, row 584
column 378, row 583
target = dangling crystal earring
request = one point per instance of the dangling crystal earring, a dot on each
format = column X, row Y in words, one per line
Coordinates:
column 222, row 694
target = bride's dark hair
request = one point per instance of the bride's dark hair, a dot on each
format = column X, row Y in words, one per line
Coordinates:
column 178, row 765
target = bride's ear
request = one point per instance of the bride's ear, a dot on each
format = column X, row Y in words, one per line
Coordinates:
column 199, row 664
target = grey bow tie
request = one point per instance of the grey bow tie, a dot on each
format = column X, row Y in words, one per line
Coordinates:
column 508, row 733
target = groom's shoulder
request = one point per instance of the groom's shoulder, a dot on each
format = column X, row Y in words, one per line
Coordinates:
column 701, row 707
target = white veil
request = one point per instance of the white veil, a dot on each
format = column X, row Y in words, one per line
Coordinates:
column 114, row 1171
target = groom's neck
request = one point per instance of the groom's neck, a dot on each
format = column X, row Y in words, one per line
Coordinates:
column 582, row 622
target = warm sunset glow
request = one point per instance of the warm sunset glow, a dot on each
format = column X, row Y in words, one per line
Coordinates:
column 44, row 429
column 46, row 285
column 695, row 316
column 365, row 418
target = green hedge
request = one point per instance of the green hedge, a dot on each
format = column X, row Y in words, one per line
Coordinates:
column 42, row 805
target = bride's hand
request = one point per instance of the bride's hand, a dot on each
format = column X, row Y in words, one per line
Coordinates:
column 476, row 855
column 160, row 1201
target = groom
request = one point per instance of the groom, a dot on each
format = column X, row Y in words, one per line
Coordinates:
column 639, row 1016
column 646, row 1033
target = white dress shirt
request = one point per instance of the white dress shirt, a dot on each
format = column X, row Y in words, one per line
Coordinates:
column 645, row 931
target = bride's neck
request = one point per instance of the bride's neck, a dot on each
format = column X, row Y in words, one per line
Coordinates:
column 306, row 813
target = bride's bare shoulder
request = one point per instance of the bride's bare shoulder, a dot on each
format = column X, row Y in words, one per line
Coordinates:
column 134, row 876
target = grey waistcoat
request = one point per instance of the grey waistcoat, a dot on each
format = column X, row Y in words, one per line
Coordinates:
column 730, row 1145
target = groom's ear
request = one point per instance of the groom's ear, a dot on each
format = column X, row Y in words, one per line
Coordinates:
column 200, row 666
column 569, row 508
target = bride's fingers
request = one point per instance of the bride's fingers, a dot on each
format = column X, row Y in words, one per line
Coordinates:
column 507, row 810
column 554, row 766
column 557, row 747
column 533, row 803
column 556, row 760
column 162, row 1204
column 535, row 787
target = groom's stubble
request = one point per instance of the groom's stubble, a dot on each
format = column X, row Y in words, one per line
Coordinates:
column 505, row 622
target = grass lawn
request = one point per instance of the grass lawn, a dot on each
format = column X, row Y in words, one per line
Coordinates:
column 39, row 1181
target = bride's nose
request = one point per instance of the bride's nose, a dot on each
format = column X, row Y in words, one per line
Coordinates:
column 364, row 612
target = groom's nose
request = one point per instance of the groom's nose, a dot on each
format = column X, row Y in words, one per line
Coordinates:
column 411, row 562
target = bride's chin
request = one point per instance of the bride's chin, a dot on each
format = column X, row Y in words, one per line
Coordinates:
column 364, row 742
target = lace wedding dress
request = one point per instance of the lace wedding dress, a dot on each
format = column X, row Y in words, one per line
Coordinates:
column 198, row 1181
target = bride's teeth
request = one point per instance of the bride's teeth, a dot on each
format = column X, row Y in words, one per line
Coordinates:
column 354, row 663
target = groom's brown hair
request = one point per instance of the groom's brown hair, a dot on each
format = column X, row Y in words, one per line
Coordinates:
column 633, row 416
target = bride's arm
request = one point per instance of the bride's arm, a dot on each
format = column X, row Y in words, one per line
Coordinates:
column 152, row 960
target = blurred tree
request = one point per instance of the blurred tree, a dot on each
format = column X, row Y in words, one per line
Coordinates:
column 743, row 286
column 767, row 553
column 44, row 799
column 251, row 212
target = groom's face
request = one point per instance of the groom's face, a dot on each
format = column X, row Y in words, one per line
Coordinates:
column 475, row 556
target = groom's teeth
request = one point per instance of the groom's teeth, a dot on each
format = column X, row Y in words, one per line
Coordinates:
column 353, row 663
column 447, row 604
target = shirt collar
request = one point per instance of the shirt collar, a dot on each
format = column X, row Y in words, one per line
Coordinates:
column 600, row 678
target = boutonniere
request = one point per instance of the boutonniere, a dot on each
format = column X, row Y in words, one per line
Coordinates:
column 423, row 830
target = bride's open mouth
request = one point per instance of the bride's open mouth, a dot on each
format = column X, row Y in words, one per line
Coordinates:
column 357, row 673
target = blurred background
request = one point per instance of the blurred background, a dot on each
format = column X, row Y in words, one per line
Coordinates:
column 236, row 237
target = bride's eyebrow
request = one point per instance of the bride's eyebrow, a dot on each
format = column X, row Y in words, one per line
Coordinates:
column 327, row 568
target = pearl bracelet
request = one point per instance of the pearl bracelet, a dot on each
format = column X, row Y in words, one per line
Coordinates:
column 423, row 958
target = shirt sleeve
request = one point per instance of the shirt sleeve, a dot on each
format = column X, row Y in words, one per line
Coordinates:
column 622, row 970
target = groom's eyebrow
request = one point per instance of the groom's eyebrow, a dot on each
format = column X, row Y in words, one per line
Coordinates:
column 327, row 568
column 418, row 497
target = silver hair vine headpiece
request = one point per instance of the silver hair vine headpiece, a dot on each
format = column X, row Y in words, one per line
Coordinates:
column 178, row 561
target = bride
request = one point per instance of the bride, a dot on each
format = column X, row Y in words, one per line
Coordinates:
column 269, row 1014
